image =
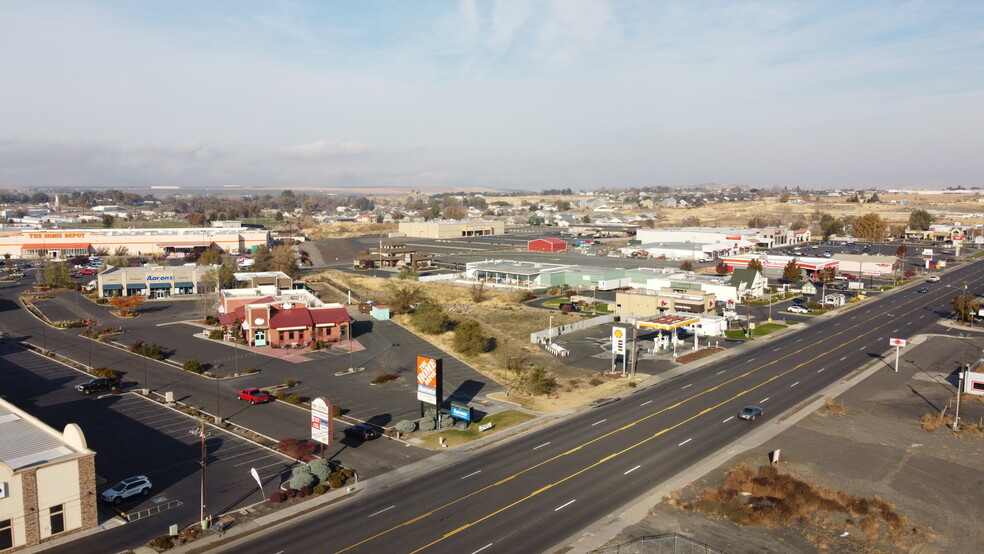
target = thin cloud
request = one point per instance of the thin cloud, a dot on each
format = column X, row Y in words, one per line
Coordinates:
column 325, row 148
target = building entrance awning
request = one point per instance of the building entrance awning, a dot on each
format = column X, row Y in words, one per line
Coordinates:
column 184, row 284
column 131, row 286
column 57, row 246
column 112, row 287
column 187, row 244
column 160, row 285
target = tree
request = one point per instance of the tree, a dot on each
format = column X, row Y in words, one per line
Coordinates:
column 210, row 257
column 283, row 259
column 792, row 272
column 758, row 221
column 107, row 221
column 429, row 317
column 403, row 297
column 827, row 275
column 470, row 339
column 586, row 219
column 117, row 261
column 901, row 255
column 721, row 268
column 870, row 226
column 965, row 306
column 79, row 260
column 686, row 266
column 478, row 292
column 920, row 220
column 690, row 221
column 755, row 264
column 127, row 304
column 455, row 211
column 830, row 225
column 58, row 275
column 874, row 199
column 262, row 258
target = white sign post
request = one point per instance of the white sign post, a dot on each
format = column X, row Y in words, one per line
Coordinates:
column 898, row 344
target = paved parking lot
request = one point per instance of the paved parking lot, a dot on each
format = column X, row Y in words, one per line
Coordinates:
column 591, row 349
column 135, row 436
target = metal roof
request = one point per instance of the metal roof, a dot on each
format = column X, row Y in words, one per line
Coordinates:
column 25, row 444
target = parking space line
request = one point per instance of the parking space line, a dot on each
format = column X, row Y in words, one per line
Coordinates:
column 251, row 460
column 270, row 465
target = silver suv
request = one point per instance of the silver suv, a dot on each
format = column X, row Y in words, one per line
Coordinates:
column 127, row 488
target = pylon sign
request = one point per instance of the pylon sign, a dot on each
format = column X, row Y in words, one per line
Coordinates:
column 618, row 340
column 430, row 379
column 322, row 423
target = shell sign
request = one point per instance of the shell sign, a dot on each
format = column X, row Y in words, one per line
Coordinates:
column 618, row 340
column 429, row 379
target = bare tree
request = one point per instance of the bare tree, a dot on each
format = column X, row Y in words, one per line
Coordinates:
column 478, row 292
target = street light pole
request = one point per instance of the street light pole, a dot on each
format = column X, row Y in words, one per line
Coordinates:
column 550, row 331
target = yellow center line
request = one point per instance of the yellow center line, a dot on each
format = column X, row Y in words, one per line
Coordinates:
column 644, row 418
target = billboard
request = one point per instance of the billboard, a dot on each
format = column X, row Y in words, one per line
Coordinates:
column 322, row 424
column 618, row 340
column 430, row 379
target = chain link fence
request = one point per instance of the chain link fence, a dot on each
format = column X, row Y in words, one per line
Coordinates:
column 669, row 543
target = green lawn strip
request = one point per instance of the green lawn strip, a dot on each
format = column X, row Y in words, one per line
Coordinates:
column 766, row 328
column 556, row 302
column 455, row 437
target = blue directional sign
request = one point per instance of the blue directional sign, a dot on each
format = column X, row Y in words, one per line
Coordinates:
column 461, row 412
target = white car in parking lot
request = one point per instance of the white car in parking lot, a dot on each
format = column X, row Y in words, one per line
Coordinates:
column 127, row 488
column 797, row 309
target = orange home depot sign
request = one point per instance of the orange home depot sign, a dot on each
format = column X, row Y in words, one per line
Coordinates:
column 429, row 379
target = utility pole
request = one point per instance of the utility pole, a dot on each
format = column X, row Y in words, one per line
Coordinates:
column 966, row 303
column 202, row 434
column 960, row 381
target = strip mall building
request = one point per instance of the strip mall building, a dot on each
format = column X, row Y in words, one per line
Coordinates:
column 65, row 243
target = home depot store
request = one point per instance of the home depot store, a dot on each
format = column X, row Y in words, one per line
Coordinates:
column 64, row 244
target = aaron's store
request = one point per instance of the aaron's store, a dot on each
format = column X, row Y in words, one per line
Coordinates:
column 152, row 281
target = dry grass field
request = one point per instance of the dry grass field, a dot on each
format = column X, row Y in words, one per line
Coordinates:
column 502, row 317
column 348, row 229
column 891, row 209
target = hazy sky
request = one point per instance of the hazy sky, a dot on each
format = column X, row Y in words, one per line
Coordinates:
column 518, row 94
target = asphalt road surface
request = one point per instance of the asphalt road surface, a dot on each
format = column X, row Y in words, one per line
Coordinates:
column 532, row 493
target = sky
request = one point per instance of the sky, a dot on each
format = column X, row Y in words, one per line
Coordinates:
column 518, row 94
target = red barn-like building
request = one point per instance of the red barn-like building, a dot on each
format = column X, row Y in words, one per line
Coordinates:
column 546, row 245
